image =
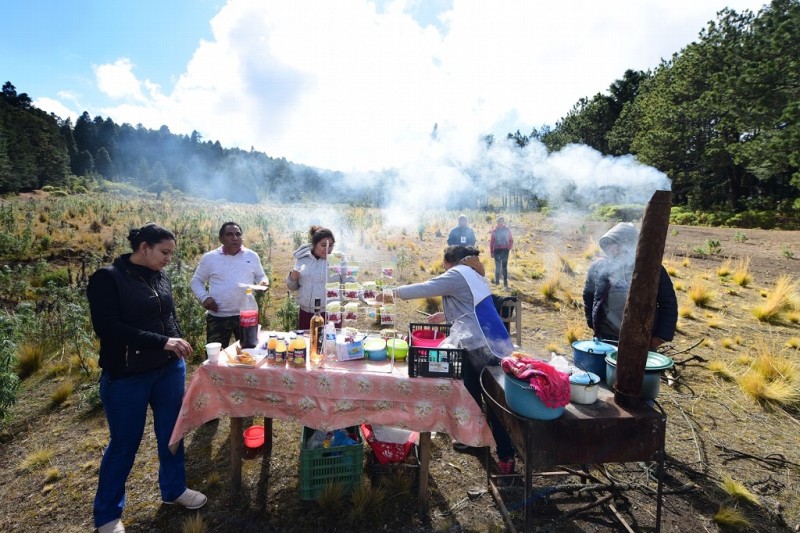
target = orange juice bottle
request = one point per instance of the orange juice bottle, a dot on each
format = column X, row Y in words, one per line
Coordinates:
column 280, row 351
column 300, row 351
column 272, row 343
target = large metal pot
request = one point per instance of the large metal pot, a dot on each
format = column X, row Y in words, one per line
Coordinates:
column 590, row 355
column 654, row 367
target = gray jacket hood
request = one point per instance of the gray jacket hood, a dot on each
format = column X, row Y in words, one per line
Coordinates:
column 625, row 234
column 303, row 251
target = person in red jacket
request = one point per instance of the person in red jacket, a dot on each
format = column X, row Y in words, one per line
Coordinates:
column 499, row 246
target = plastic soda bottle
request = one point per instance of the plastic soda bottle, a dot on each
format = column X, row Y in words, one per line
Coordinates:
column 248, row 321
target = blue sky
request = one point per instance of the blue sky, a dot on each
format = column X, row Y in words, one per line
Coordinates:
column 346, row 84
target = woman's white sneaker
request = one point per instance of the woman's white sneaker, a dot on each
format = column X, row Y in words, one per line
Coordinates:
column 191, row 499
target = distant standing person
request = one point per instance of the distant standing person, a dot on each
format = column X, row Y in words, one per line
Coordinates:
column 310, row 273
column 461, row 235
column 220, row 279
column 607, row 284
column 142, row 356
column 500, row 245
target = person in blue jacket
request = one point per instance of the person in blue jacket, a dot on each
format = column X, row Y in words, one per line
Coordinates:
column 607, row 284
column 461, row 235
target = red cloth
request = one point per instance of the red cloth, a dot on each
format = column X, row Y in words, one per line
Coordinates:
column 388, row 452
column 550, row 385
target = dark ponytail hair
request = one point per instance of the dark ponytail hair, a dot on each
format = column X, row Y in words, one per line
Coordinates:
column 454, row 254
column 317, row 233
column 151, row 233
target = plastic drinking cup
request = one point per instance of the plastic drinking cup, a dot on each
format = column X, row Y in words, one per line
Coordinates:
column 212, row 350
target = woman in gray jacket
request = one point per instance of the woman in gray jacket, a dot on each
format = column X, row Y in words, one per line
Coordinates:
column 310, row 273
column 468, row 305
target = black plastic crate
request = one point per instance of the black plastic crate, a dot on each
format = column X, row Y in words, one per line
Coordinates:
column 433, row 362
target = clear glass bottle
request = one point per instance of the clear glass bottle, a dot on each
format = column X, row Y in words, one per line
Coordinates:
column 315, row 327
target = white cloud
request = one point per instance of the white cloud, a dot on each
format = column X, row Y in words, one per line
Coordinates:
column 341, row 85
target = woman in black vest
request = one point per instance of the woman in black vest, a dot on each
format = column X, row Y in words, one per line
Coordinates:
column 142, row 357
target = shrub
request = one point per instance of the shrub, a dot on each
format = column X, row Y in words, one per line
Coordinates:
column 29, row 358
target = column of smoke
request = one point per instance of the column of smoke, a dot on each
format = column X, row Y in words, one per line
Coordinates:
column 455, row 173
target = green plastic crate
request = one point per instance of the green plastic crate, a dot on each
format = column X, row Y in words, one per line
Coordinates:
column 322, row 466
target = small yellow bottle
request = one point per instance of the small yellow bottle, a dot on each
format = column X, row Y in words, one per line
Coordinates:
column 280, row 351
column 300, row 351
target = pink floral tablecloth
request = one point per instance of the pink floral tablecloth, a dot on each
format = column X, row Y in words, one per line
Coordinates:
column 332, row 399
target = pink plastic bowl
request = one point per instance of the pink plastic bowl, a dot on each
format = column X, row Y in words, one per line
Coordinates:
column 427, row 338
column 254, row 436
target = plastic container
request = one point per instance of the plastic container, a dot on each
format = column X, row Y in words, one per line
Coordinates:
column 254, row 436
column 337, row 464
column 375, row 348
column 433, row 362
column 427, row 338
column 583, row 388
column 522, row 399
column 248, row 320
column 397, row 348
column 655, row 365
column 589, row 356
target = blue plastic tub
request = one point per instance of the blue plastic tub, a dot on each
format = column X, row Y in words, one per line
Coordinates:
column 522, row 400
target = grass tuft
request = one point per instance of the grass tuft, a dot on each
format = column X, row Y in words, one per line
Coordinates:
column 36, row 459
column 30, row 356
column 738, row 491
column 699, row 294
column 721, row 370
column 793, row 342
column 51, row 474
column 778, row 303
column 730, row 517
column 550, row 286
column 367, row 502
column 741, row 274
column 331, row 497
column 725, row 269
column 727, row 343
column 62, row 393
column 685, row 312
column 194, row 524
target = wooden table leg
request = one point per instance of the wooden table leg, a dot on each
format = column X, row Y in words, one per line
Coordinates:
column 267, row 440
column 236, row 455
column 424, row 462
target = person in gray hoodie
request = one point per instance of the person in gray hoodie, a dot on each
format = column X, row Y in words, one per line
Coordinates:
column 607, row 284
column 310, row 273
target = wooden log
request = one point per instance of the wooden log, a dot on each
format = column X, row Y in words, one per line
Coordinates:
column 640, row 305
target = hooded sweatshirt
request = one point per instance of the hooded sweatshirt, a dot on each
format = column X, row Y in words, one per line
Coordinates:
column 313, row 277
column 608, row 282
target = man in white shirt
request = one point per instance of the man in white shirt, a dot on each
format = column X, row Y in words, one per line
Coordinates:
column 220, row 281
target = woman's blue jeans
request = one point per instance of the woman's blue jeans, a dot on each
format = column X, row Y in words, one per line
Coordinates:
column 125, row 401
column 471, row 374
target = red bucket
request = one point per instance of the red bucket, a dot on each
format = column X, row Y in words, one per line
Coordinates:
column 427, row 338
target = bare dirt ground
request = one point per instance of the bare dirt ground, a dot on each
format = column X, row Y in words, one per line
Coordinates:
column 714, row 431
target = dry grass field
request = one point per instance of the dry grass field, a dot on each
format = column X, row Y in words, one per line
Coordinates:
column 732, row 400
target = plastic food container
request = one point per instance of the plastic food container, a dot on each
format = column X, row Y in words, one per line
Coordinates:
column 375, row 348
column 398, row 348
column 522, row 399
column 583, row 387
column 656, row 364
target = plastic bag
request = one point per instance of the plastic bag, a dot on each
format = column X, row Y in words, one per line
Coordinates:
column 559, row 362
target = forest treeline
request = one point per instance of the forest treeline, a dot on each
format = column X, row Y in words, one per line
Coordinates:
column 720, row 118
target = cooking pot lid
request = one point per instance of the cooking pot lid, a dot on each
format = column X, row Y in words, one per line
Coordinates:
column 593, row 346
column 655, row 361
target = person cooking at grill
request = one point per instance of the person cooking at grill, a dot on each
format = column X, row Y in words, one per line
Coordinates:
column 310, row 273
column 500, row 244
column 469, row 307
column 607, row 284
column 142, row 356
column 461, row 234
column 220, row 280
